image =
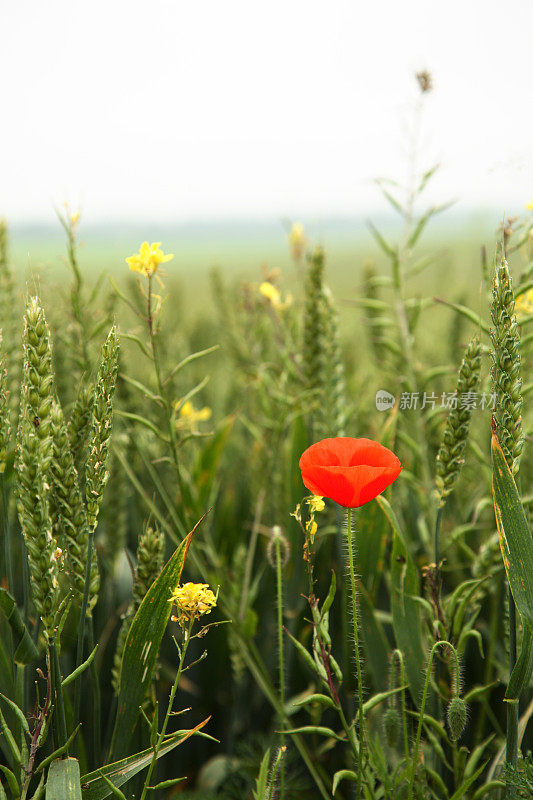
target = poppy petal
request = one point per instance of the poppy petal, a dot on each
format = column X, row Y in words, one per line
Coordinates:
column 349, row 471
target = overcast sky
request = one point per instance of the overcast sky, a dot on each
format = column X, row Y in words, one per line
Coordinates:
column 173, row 110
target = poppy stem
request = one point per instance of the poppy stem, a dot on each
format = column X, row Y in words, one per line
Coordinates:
column 281, row 664
column 349, row 536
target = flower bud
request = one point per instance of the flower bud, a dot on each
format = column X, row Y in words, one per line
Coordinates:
column 391, row 723
column 456, row 718
column 284, row 547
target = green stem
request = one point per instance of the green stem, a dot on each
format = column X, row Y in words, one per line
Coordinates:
column 441, row 643
column 76, row 296
column 512, row 708
column 349, row 536
column 438, row 520
column 82, row 625
column 281, row 665
column 398, row 655
column 438, row 668
column 95, row 684
column 159, row 742
column 57, row 689
column 161, row 388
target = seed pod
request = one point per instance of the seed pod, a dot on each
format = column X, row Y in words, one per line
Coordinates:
column 276, row 535
column 456, row 716
column 450, row 456
column 392, row 723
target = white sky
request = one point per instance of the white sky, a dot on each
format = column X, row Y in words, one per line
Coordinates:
column 177, row 110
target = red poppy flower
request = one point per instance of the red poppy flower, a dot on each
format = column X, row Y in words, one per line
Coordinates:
column 349, row 471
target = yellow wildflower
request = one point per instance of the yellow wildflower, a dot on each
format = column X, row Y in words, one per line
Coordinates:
column 297, row 239
column 148, row 259
column 273, row 294
column 311, row 527
column 269, row 291
column 316, row 503
column 529, row 205
column 189, row 416
column 524, row 304
column 74, row 218
column 193, row 600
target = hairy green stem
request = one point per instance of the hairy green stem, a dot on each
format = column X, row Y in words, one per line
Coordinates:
column 398, row 656
column 440, row 643
column 281, row 665
column 161, row 388
column 349, row 536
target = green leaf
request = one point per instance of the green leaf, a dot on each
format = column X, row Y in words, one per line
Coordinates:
column 142, row 647
column 516, row 542
column 376, row 644
column 423, row 221
column 95, row 788
column 462, row 790
column 466, row 312
column 142, row 421
column 523, row 669
column 63, row 781
column 115, row 791
column 262, row 778
column 405, row 609
column 141, row 387
column 342, row 775
column 206, row 467
column 25, row 651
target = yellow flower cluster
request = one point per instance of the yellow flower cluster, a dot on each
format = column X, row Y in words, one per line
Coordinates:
column 273, row 294
column 314, row 504
column 524, row 304
column 148, row 259
column 193, row 600
column 189, row 416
